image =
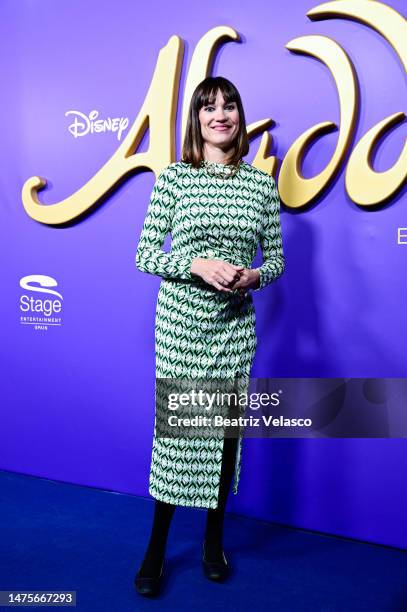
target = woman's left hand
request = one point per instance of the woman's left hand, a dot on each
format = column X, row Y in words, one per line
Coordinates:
column 249, row 279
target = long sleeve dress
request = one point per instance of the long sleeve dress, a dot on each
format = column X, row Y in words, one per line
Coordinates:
column 201, row 332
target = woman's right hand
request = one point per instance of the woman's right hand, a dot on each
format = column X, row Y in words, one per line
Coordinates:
column 216, row 272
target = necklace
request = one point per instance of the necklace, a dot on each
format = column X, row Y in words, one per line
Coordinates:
column 214, row 168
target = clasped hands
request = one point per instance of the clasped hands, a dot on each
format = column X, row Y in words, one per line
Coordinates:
column 225, row 276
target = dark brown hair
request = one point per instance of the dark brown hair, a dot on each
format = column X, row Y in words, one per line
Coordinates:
column 204, row 94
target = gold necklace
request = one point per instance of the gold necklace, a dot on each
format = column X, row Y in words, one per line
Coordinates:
column 214, row 170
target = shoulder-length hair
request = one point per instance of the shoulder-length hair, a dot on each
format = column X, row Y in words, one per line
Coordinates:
column 205, row 94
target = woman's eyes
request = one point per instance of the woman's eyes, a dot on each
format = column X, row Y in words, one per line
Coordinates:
column 231, row 106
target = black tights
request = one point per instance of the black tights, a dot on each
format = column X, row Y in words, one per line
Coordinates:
column 215, row 516
column 163, row 513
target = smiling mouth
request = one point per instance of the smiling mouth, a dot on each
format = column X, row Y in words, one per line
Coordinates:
column 221, row 128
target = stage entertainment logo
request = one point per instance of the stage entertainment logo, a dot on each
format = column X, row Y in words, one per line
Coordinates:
column 83, row 124
column 40, row 310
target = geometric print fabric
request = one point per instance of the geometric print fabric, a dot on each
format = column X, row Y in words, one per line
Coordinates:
column 201, row 332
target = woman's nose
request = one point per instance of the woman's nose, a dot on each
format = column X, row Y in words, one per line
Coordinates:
column 220, row 115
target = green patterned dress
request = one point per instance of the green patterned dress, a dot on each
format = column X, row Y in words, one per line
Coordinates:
column 201, row 332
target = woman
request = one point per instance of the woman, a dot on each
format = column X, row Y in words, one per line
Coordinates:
column 217, row 208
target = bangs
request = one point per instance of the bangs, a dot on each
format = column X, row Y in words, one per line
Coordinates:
column 208, row 94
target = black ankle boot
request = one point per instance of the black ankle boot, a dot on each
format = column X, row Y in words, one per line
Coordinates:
column 149, row 586
column 215, row 570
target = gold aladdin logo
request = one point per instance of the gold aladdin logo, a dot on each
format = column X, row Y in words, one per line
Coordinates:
column 364, row 185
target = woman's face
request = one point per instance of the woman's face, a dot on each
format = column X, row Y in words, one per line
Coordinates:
column 219, row 122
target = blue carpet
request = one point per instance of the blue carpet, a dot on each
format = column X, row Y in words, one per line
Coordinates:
column 58, row 536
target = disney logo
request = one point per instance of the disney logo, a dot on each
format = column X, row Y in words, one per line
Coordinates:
column 83, row 124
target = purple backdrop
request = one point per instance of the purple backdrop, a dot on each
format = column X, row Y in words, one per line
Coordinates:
column 77, row 400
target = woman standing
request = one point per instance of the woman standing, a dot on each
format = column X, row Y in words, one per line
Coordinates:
column 217, row 208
